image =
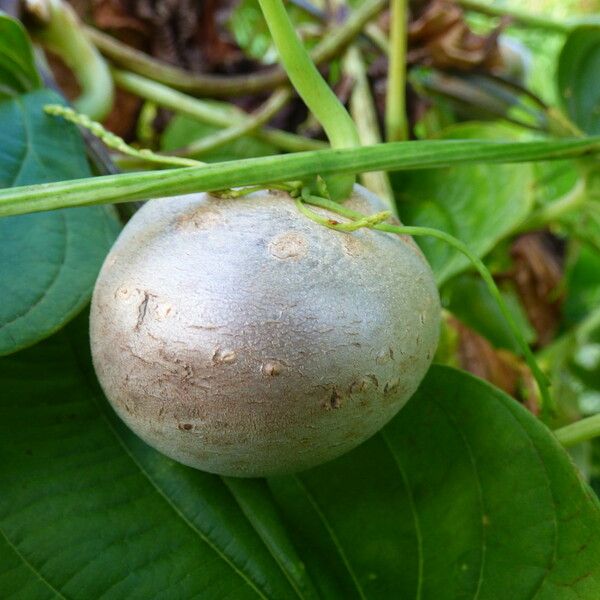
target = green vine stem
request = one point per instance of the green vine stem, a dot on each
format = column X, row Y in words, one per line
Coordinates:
column 378, row 37
column 362, row 109
column 220, row 114
column 216, row 85
column 396, row 123
column 357, row 217
column 211, row 142
column 288, row 167
column 114, row 141
column 526, row 19
column 579, row 432
column 313, row 89
column 59, row 30
column 250, row 124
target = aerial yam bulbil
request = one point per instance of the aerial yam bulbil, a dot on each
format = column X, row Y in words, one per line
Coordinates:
column 240, row 337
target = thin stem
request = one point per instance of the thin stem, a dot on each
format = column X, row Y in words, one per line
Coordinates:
column 525, row 19
column 471, row 92
column 218, row 85
column 540, row 377
column 255, row 120
column 520, row 17
column 366, row 221
column 364, row 113
column 208, row 112
column 288, row 167
column 395, row 109
column 114, row 141
column 312, row 88
column 61, row 32
column 211, row 142
column 579, row 432
column 378, row 37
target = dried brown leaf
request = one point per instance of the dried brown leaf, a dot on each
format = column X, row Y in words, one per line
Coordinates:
column 538, row 272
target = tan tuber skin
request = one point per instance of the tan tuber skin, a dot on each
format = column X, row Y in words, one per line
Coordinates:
column 241, row 338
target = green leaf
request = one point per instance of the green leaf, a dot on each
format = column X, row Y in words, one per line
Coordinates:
column 49, row 261
column 183, row 131
column 553, row 180
column 250, row 31
column 18, row 74
column 578, row 85
column 252, row 35
column 102, row 514
column 479, row 204
column 464, row 495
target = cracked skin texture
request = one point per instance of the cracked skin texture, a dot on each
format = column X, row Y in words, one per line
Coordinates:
column 241, row 338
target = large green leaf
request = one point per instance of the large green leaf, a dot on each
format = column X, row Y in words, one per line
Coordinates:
column 48, row 261
column 480, row 204
column 463, row 495
column 18, row 74
column 578, row 85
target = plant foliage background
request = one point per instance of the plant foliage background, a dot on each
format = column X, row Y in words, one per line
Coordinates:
column 465, row 494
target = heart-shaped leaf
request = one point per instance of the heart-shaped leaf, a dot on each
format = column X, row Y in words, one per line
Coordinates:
column 18, row 74
column 48, row 261
column 578, row 85
column 480, row 204
column 463, row 495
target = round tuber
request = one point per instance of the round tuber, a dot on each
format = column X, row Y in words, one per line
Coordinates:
column 241, row 338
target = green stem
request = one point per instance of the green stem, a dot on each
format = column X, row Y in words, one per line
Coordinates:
column 540, row 377
column 114, row 141
column 520, row 17
column 288, row 167
column 61, row 33
column 395, row 109
column 579, row 432
column 378, row 37
column 364, row 113
column 526, row 19
column 211, row 142
column 251, row 123
column 219, row 85
column 219, row 114
column 313, row 89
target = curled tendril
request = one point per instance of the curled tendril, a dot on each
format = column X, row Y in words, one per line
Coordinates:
column 353, row 225
column 114, row 141
column 360, row 220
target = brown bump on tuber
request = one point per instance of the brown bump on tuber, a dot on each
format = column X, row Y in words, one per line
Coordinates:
column 255, row 343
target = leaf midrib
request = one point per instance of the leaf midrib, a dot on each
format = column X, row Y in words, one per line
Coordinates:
column 413, row 510
column 38, row 574
column 159, row 491
column 332, row 535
